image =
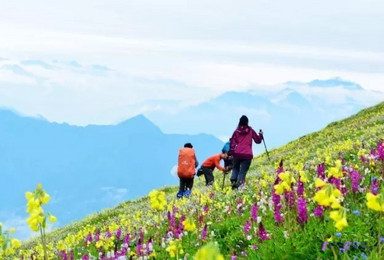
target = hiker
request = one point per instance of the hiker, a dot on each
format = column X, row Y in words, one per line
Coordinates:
column 241, row 149
column 186, row 168
column 228, row 162
column 209, row 165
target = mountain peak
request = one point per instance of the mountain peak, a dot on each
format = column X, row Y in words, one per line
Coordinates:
column 139, row 123
column 335, row 82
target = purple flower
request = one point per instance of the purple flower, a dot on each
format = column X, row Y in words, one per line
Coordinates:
column 234, row 256
column 118, row 234
column 302, row 210
column 290, row 198
column 263, row 235
column 321, row 171
column 204, row 232
column 374, row 186
column 355, row 177
column 254, row 211
column 324, row 247
column 276, row 207
column 127, row 238
column 300, row 188
column 85, row 257
column 247, row 227
column 319, row 211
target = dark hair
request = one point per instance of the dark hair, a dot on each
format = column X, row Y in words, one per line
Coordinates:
column 188, row 145
column 243, row 121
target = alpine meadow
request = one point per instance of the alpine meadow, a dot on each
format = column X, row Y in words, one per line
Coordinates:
column 318, row 197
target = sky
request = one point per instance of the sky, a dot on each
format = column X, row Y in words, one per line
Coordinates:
column 100, row 62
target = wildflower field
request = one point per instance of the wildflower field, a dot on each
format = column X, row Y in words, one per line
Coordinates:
column 319, row 197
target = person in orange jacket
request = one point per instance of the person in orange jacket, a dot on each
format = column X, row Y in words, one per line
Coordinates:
column 186, row 168
column 209, row 165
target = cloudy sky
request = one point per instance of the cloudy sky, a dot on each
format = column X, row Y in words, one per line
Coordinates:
column 100, row 62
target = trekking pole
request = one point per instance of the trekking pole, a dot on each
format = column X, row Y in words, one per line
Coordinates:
column 266, row 150
column 222, row 186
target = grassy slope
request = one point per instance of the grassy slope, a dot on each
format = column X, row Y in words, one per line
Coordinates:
column 343, row 136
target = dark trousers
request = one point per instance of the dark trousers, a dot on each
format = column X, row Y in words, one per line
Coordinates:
column 208, row 175
column 185, row 184
column 239, row 171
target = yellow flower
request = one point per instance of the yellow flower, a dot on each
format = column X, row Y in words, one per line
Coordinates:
column 12, row 230
column 15, row 243
column 319, row 183
column 52, row 218
column 189, row 225
column 339, row 216
column 157, row 199
column 303, row 176
column 375, row 202
column 208, row 252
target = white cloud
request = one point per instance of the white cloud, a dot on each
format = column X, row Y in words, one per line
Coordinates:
column 101, row 62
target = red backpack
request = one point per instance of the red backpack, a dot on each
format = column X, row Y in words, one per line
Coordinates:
column 186, row 163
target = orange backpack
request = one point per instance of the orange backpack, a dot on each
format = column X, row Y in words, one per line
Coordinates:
column 186, row 164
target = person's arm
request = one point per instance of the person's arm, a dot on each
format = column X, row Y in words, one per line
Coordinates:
column 257, row 137
column 217, row 164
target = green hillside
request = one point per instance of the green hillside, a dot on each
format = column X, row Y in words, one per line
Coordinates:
column 312, row 206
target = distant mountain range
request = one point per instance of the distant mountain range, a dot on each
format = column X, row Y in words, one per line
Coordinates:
column 86, row 169
column 284, row 113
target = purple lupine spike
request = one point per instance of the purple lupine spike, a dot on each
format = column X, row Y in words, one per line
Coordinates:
column 127, row 239
column 319, row 211
column 302, row 210
column 276, row 207
column 206, row 209
column 300, row 188
column 263, row 235
column 290, row 198
column 321, row 171
column 88, row 239
column 355, row 178
column 97, row 235
column 204, row 232
column 85, row 257
column 380, row 150
column 254, row 211
column 141, row 234
column 247, row 227
column 108, row 233
column 118, row 234
column 63, row 255
column 139, row 248
column 201, row 218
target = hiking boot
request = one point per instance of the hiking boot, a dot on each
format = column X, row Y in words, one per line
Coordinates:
column 187, row 193
column 179, row 195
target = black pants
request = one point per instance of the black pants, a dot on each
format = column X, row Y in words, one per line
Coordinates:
column 208, row 175
column 185, row 184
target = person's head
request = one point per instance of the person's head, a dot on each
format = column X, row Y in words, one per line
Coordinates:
column 243, row 121
column 224, row 155
column 188, row 145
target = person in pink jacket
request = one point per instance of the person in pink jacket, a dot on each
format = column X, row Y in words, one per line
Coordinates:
column 241, row 149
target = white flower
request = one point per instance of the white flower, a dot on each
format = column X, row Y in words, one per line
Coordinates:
column 258, row 219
